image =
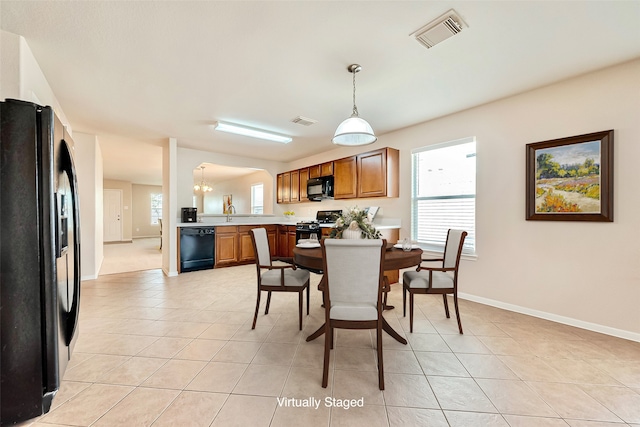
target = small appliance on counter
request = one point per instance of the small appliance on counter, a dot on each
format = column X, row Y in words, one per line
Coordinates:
column 189, row 214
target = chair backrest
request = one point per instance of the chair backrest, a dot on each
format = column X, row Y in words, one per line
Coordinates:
column 261, row 247
column 453, row 248
column 353, row 268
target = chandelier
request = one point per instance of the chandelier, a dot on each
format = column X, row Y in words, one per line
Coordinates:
column 202, row 186
column 354, row 130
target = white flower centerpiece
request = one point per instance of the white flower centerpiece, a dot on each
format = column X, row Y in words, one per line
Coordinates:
column 354, row 224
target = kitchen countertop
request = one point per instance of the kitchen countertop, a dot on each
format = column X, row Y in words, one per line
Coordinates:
column 238, row 219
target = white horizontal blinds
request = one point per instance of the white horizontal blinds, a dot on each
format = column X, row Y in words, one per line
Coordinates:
column 443, row 197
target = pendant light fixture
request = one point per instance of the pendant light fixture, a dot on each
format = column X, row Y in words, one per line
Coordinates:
column 354, row 130
column 202, row 186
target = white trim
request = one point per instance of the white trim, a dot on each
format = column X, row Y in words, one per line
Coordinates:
column 464, row 140
column 93, row 277
column 169, row 274
column 620, row 333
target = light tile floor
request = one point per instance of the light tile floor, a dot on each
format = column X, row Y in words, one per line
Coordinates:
column 180, row 351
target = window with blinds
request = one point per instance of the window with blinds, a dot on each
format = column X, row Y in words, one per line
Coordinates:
column 156, row 208
column 444, row 193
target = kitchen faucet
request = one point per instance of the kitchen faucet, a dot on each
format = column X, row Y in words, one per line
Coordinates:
column 230, row 210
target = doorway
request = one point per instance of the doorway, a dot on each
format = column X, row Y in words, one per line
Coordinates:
column 112, row 200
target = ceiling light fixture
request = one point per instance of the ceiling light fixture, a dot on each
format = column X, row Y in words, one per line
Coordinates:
column 202, row 186
column 253, row 133
column 354, row 130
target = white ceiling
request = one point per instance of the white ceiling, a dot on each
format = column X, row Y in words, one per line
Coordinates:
column 135, row 73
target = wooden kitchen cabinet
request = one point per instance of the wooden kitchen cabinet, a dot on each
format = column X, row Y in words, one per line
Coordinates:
column 377, row 173
column 295, row 187
column 324, row 169
column 286, row 187
column 345, row 178
column 245, row 244
column 371, row 174
column 279, row 188
column 286, row 240
column 226, row 245
column 234, row 245
column 303, row 177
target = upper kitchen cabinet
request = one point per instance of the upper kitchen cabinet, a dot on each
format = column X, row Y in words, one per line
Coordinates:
column 378, row 173
column 345, row 178
column 279, row 188
column 325, row 169
column 304, row 177
column 294, row 192
column 370, row 174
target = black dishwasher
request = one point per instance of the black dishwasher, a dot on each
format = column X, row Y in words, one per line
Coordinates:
column 197, row 246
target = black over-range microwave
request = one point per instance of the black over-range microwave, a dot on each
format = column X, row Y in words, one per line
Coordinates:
column 320, row 188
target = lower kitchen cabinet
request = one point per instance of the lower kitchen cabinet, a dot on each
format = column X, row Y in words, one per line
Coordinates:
column 234, row 246
column 286, row 240
column 226, row 245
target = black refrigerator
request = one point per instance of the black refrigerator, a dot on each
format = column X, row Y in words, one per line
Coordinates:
column 40, row 258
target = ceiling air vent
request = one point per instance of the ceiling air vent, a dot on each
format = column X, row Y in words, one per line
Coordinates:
column 304, row 121
column 445, row 26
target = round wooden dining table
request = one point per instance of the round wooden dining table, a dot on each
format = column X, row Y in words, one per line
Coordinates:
column 394, row 259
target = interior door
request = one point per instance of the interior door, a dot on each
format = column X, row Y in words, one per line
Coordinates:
column 112, row 215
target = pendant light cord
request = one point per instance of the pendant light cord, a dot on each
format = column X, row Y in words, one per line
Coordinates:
column 355, row 109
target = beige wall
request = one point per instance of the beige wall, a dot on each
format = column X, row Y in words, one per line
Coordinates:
column 127, row 217
column 88, row 161
column 586, row 274
column 141, row 210
column 240, row 190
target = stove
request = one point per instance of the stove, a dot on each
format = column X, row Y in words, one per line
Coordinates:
column 327, row 217
column 304, row 229
column 307, row 226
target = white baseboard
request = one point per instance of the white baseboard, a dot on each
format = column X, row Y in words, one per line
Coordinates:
column 620, row 333
column 169, row 273
column 91, row 277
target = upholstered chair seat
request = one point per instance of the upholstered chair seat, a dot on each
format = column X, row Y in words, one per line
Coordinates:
column 276, row 278
column 436, row 280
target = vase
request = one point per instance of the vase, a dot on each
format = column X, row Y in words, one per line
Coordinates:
column 352, row 234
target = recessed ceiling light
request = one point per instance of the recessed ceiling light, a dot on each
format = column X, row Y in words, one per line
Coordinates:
column 251, row 132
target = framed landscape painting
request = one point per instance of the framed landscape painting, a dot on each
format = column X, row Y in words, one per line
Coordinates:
column 571, row 179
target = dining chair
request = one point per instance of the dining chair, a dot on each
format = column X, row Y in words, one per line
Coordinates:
column 436, row 280
column 353, row 290
column 277, row 278
column 160, row 222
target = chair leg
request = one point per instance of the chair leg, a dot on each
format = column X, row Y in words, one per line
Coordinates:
column 455, row 303
column 446, row 305
column 255, row 316
column 327, row 343
column 404, row 301
column 308, row 287
column 300, row 308
column 410, row 311
column 380, row 363
column 266, row 309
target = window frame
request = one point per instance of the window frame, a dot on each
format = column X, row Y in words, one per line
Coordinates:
column 470, row 247
column 158, row 208
column 253, row 205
